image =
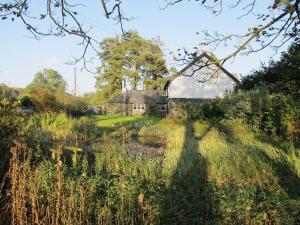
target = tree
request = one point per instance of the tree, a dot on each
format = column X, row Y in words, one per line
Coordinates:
column 279, row 76
column 131, row 59
column 49, row 80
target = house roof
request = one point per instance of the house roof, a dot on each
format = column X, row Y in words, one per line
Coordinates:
column 139, row 97
column 204, row 54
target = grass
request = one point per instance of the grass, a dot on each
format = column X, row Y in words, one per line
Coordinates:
column 211, row 173
column 114, row 120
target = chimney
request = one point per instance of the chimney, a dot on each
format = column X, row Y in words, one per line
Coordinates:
column 124, row 89
column 203, row 47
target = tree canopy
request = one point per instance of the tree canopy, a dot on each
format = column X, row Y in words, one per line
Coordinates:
column 49, row 80
column 278, row 76
column 132, row 61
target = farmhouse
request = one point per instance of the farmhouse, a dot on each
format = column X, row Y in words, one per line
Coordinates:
column 203, row 79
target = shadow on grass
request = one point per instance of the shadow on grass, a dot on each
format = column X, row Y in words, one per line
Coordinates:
column 288, row 179
column 189, row 199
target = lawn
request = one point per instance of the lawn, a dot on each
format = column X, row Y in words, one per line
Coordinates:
column 117, row 120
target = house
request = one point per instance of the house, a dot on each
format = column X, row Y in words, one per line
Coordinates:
column 203, row 79
column 137, row 102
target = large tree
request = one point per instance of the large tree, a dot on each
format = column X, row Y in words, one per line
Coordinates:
column 49, row 80
column 278, row 76
column 130, row 59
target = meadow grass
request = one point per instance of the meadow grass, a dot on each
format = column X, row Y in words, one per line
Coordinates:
column 211, row 173
column 113, row 120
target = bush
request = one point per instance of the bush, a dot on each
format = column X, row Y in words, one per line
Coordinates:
column 9, row 93
column 71, row 105
column 10, row 124
column 41, row 100
column 26, row 101
column 203, row 111
column 11, row 129
column 272, row 113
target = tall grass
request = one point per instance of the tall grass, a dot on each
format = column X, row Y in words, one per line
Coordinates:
column 54, row 127
column 211, row 173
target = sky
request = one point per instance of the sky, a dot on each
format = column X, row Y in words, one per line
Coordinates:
column 22, row 56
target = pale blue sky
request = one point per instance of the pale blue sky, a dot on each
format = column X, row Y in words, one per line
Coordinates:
column 22, row 57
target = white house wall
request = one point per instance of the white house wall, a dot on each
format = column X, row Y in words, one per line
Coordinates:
column 188, row 87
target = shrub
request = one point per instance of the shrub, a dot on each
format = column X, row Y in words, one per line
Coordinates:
column 42, row 100
column 10, row 124
column 203, row 110
column 11, row 129
column 271, row 113
column 9, row 93
column 26, row 101
column 71, row 105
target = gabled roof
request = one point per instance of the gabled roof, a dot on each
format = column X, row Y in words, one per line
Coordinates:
column 139, row 97
column 204, row 54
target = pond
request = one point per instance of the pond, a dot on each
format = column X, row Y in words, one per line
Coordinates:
column 144, row 151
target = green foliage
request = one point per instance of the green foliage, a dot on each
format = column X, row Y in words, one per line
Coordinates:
column 11, row 127
column 59, row 127
column 271, row 113
column 132, row 59
column 211, row 173
column 278, row 77
column 49, row 80
column 26, row 101
column 205, row 110
column 91, row 98
column 9, row 93
column 40, row 100
column 72, row 105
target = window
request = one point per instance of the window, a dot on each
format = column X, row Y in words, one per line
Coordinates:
column 138, row 106
column 163, row 107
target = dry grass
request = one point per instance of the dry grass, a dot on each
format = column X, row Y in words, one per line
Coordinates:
column 211, row 173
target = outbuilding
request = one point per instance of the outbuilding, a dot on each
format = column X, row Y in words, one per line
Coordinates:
column 203, row 79
column 137, row 102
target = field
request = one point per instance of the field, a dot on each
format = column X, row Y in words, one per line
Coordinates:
column 216, row 172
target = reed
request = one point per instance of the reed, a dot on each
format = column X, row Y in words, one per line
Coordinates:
column 211, row 173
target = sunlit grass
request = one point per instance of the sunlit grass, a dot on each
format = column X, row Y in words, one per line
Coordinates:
column 109, row 121
column 211, row 173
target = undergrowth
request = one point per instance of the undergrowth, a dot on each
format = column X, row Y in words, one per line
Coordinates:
column 211, row 173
